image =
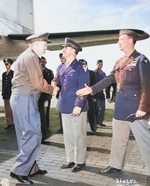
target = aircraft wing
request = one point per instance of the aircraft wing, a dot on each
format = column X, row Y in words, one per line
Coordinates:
column 14, row 44
column 90, row 38
column 84, row 39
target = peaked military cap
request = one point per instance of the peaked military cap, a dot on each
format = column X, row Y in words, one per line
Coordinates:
column 83, row 61
column 130, row 33
column 71, row 43
column 8, row 60
column 135, row 34
column 38, row 37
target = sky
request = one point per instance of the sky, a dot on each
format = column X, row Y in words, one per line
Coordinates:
column 85, row 15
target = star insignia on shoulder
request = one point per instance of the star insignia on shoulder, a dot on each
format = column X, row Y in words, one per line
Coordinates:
column 145, row 60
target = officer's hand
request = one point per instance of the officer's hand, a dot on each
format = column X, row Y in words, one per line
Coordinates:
column 109, row 100
column 140, row 113
column 53, row 83
column 76, row 111
column 94, row 100
column 84, row 91
column 56, row 89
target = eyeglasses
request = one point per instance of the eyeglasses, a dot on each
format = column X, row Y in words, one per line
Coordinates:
column 6, row 64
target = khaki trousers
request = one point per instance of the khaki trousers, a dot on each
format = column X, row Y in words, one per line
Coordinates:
column 121, row 131
column 75, row 129
column 8, row 112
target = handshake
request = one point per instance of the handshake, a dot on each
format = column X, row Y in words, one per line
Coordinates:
column 56, row 89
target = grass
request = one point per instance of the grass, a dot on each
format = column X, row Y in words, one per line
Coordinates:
column 108, row 115
column 2, row 123
column 54, row 120
column 1, row 109
column 8, row 137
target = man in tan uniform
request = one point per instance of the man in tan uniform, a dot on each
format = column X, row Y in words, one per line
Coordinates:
column 27, row 84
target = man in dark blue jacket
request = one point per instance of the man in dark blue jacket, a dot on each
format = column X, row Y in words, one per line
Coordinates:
column 72, row 77
column 91, row 99
column 132, row 74
column 100, row 96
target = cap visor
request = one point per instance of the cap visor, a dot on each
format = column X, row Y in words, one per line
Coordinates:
column 48, row 41
column 64, row 45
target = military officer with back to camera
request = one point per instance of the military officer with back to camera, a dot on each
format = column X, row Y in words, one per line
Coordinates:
column 27, row 84
column 132, row 74
column 72, row 77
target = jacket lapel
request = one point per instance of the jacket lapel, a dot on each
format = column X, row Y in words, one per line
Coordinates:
column 121, row 65
column 128, row 61
column 71, row 67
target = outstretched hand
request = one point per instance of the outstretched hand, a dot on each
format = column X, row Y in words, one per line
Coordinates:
column 84, row 91
column 109, row 100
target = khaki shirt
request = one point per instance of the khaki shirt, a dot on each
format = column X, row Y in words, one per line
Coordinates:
column 28, row 76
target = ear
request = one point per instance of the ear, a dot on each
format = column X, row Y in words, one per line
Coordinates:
column 73, row 50
column 37, row 43
column 130, row 40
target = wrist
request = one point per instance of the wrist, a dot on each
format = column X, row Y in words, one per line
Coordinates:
column 91, row 92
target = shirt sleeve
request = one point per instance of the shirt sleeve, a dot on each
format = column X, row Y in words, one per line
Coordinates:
column 57, row 78
column 36, row 76
column 2, row 84
column 103, row 83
